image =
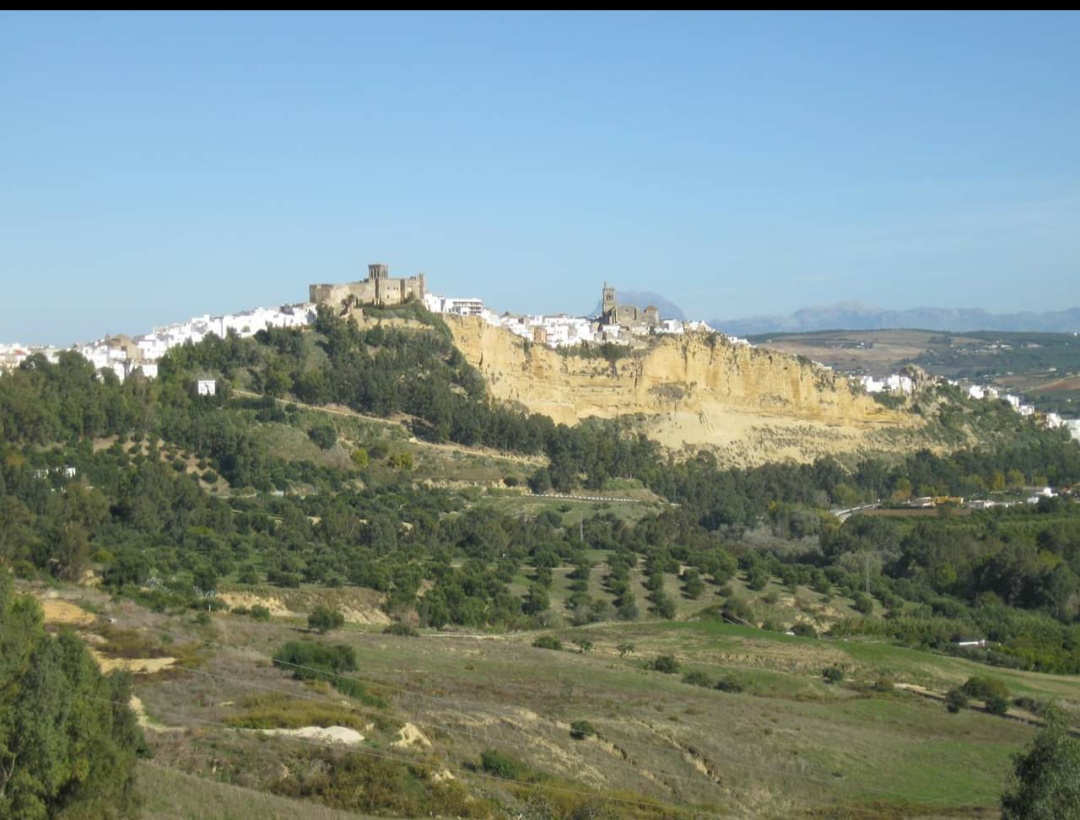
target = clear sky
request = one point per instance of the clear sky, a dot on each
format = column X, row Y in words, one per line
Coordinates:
column 158, row 166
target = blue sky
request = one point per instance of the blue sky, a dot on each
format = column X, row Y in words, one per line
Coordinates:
column 157, row 166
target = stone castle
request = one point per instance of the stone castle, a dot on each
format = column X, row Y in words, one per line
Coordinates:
column 378, row 289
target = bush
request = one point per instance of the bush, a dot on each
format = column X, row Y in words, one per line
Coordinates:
column 863, row 603
column 737, row 609
column 1032, row 705
column 804, row 630
column 728, row 685
column 312, row 661
column 324, row 435
column 956, row 699
column 323, row 619
column 698, row 678
column 664, row 663
column 997, row 705
column 581, row 729
column 832, row 674
column 402, row 460
column 884, row 685
column 260, row 613
column 501, row 765
column 984, row 688
column 402, row 629
column 547, row 642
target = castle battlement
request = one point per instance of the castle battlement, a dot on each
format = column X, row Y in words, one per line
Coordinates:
column 378, row 289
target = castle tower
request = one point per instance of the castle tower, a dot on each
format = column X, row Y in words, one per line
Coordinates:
column 378, row 274
column 378, row 271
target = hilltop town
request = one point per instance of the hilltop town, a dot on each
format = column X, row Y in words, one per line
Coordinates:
column 616, row 323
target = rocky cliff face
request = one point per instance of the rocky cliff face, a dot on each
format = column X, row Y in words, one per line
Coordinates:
column 693, row 391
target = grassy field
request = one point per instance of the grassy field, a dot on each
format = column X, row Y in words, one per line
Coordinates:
column 777, row 741
column 788, row 744
column 168, row 794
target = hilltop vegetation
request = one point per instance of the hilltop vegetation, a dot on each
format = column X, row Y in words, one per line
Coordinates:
column 311, row 473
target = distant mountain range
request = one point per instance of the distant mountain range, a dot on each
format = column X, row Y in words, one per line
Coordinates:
column 642, row 299
column 856, row 316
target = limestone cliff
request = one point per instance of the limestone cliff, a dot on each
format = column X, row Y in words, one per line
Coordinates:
column 693, row 391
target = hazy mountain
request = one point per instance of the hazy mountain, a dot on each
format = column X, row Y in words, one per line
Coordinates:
column 642, row 299
column 856, row 316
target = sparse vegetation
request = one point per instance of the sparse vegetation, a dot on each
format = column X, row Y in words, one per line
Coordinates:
column 664, row 663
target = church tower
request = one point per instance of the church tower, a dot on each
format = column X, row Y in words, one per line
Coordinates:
column 608, row 303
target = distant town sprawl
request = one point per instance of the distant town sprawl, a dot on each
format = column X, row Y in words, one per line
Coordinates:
column 616, row 324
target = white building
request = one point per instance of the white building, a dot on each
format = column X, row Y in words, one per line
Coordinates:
column 206, row 387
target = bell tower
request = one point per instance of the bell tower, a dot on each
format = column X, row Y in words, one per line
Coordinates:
column 608, row 302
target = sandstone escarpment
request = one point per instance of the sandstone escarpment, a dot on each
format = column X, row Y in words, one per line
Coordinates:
column 698, row 390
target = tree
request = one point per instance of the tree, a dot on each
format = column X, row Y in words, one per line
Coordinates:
column 625, row 648
column 68, row 740
column 323, row 618
column 536, row 601
column 1045, row 784
column 324, row 435
column 956, row 699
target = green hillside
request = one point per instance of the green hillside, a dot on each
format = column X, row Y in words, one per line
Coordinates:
column 362, row 469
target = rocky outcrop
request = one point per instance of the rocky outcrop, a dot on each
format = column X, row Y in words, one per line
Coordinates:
column 747, row 404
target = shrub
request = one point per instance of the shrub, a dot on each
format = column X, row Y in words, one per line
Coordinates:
column 956, row 699
column 863, row 603
column 501, row 765
column 260, row 613
column 402, row 629
column 547, row 642
column 832, row 674
column 997, row 705
column 1032, row 705
column 664, row 663
column 726, row 684
column 804, row 630
column 698, row 678
column 402, row 460
column 323, row 619
column 324, row 435
column 311, row 661
column 581, row 729
column 884, row 685
column 984, row 688
column 737, row 609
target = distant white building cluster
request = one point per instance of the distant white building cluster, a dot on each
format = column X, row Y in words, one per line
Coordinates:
column 123, row 355
column 559, row 330
column 899, row 384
